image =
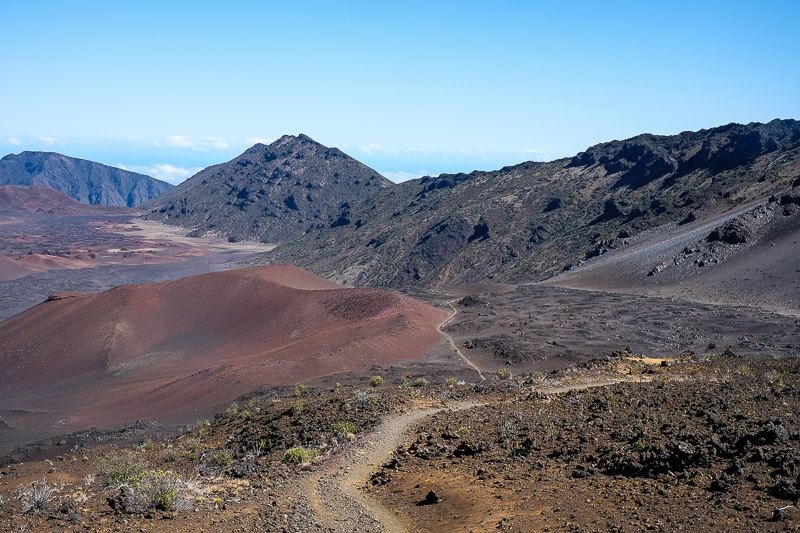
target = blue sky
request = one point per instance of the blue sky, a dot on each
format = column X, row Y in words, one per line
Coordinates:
column 409, row 88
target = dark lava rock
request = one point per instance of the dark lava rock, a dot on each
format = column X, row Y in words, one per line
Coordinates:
column 779, row 514
column 465, row 449
column 471, row 301
column 430, row 499
column 733, row 232
column 480, row 231
column 554, row 204
column 691, row 217
column 610, row 211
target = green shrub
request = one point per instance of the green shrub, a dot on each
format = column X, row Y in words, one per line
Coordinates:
column 300, row 390
column 344, row 427
column 299, row 455
column 121, row 470
column 162, row 490
column 419, row 382
column 221, row 458
column 503, row 373
column 376, row 381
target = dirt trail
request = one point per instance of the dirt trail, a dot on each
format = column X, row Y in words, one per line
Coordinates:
column 335, row 493
column 452, row 343
column 333, row 498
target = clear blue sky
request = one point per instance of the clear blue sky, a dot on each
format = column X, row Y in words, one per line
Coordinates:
column 408, row 88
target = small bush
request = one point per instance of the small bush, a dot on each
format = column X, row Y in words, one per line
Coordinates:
column 259, row 447
column 122, row 470
column 161, row 490
column 503, row 373
column 341, row 429
column 204, row 427
column 300, row 390
column 451, row 382
column 376, row 381
column 233, row 410
column 298, row 408
column 36, row 497
column 363, row 397
column 221, row 458
column 299, row 455
column 419, row 382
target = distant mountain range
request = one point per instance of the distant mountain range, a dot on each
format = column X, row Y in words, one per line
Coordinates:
column 533, row 220
column 85, row 181
column 527, row 222
column 41, row 200
column 272, row 193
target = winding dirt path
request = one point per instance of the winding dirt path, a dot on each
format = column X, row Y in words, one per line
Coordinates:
column 452, row 343
column 335, row 493
column 333, row 497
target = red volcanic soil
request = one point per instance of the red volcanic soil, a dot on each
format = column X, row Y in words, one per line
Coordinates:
column 173, row 350
column 24, row 199
column 22, row 265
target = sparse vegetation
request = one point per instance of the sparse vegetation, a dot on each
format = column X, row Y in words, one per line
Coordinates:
column 36, row 497
column 299, row 455
column 363, row 397
column 343, row 428
column 221, row 458
column 419, row 382
column 300, row 390
column 161, row 490
column 503, row 373
column 121, row 470
column 376, row 381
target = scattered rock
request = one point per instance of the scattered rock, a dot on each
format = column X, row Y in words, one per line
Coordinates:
column 430, row 499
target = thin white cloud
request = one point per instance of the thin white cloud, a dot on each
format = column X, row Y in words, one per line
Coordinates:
column 47, row 140
column 184, row 141
column 539, row 155
column 13, row 141
column 163, row 171
column 217, row 143
column 181, row 141
column 257, row 140
column 401, row 175
column 373, row 148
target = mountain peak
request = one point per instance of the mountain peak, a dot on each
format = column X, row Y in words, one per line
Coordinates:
column 272, row 192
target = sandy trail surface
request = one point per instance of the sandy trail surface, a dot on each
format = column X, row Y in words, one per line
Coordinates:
column 334, row 499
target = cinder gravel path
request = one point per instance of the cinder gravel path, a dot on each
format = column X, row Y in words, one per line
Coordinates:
column 453, row 343
column 333, row 498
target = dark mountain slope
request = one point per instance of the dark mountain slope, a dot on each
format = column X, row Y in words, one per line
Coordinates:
column 272, row 193
column 533, row 220
column 84, row 181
